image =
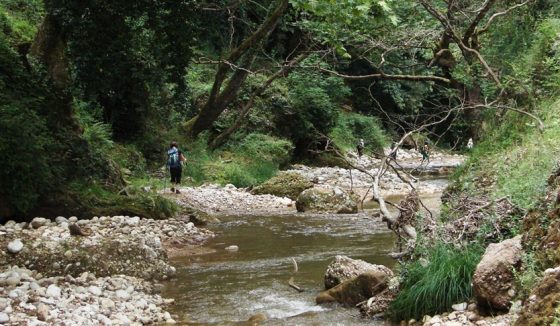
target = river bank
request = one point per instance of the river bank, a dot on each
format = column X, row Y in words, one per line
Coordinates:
column 106, row 265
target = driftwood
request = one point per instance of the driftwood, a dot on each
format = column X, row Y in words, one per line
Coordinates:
column 291, row 280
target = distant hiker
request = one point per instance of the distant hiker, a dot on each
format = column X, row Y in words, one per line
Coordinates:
column 360, row 147
column 394, row 150
column 175, row 159
column 470, row 144
column 425, row 151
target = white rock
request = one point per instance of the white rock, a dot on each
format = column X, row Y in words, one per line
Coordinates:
column 232, row 248
column 39, row 221
column 73, row 219
column 4, row 318
column 460, row 306
column 107, row 303
column 94, row 290
column 53, row 291
column 122, row 294
column 15, row 246
column 60, row 220
column 133, row 221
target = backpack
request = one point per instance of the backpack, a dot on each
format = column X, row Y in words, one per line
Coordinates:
column 173, row 158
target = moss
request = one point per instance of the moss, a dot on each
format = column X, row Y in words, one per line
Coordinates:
column 285, row 184
column 542, row 309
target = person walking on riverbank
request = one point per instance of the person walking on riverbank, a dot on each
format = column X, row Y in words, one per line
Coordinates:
column 425, row 151
column 360, row 147
column 393, row 153
column 470, row 144
column 175, row 159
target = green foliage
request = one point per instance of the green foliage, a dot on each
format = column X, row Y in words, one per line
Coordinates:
column 252, row 161
column 313, row 105
column 19, row 19
column 350, row 127
column 92, row 199
column 529, row 276
column 432, row 289
column 24, row 143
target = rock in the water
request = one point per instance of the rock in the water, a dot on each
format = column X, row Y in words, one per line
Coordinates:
column 15, row 246
column 357, row 289
column 39, row 221
column 493, row 280
column 343, row 268
column 326, row 199
column 232, row 248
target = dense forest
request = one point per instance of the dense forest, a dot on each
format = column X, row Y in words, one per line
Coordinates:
column 93, row 92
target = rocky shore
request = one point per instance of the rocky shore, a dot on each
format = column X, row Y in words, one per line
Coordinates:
column 84, row 272
column 29, row 298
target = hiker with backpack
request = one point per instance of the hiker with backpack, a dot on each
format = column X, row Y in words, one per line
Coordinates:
column 425, row 151
column 360, row 147
column 175, row 159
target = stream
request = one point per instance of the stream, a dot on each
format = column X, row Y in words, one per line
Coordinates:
column 221, row 287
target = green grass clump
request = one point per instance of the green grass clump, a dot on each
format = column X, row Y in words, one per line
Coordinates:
column 432, row 289
column 350, row 127
column 252, row 161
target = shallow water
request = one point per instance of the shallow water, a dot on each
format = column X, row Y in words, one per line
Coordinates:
column 227, row 288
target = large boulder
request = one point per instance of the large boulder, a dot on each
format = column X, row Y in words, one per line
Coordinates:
column 542, row 305
column 326, row 199
column 493, row 280
column 285, row 184
column 343, row 268
column 357, row 289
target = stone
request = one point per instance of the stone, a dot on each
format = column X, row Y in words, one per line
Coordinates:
column 42, row 312
column 4, row 318
column 343, row 268
column 356, row 290
column 122, row 294
column 460, row 306
column 73, row 219
column 107, row 303
column 326, row 199
column 284, row 184
column 68, row 254
column 94, row 290
column 39, row 221
column 494, row 278
column 15, row 246
column 61, row 219
column 54, row 291
column 232, row 248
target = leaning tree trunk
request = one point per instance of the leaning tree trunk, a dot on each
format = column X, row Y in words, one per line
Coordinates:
column 220, row 97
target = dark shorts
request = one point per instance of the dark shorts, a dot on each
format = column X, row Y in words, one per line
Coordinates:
column 175, row 174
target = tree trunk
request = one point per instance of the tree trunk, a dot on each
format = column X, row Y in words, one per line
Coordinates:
column 219, row 99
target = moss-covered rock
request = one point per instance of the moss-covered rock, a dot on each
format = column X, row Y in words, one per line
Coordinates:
column 541, row 307
column 327, row 199
column 285, row 184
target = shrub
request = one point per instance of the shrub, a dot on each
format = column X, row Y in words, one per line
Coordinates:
column 432, row 289
column 351, row 127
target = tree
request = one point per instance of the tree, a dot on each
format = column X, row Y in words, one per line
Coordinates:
column 239, row 60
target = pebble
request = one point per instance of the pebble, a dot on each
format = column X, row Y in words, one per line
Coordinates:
column 15, row 246
column 4, row 318
column 459, row 306
column 42, row 312
column 53, row 291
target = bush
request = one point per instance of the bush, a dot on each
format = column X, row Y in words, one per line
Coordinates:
column 432, row 289
column 351, row 127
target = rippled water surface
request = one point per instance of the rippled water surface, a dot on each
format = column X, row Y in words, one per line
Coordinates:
column 227, row 288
